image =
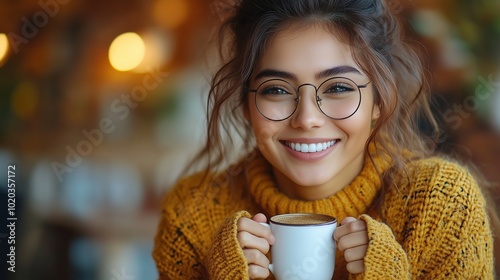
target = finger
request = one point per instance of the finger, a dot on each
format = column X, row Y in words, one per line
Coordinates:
column 249, row 241
column 260, row 218
column 257, row 272
column 351, row 227
column 256, row 257
column 352, row 240
column 356, row 253
column 356, row 267
column 347, row 220
column 254, row 228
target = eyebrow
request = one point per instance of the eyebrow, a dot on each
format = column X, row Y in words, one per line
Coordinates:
column 272, row 73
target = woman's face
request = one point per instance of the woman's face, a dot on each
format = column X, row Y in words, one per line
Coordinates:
column 303, row 56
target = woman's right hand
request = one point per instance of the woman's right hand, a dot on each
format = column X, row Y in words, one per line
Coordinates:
column 255, row 240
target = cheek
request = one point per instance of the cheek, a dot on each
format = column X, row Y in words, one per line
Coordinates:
column 263, row 129
column 357, row 126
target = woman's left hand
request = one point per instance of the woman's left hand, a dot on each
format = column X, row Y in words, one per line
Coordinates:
column 352, row 240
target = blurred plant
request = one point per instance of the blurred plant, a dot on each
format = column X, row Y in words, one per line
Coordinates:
column 478, row 23
column 464, row 44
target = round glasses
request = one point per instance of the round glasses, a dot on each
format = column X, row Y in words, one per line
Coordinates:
column 338, row 98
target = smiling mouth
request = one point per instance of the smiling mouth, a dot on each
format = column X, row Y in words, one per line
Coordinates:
column 310, row 147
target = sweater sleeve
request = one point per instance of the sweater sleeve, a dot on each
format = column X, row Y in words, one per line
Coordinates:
column 385, row 257
column 194, row 243
column 439, row 230
column 176, row 257
column 226, row 259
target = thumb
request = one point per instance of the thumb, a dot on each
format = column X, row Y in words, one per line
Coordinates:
column 347, row 220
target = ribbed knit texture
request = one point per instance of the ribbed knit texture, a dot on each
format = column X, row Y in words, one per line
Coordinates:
column 435, row 225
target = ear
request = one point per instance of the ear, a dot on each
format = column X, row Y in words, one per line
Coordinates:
column 375, row 112
column 375, row 115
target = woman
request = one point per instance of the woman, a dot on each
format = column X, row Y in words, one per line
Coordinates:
column 330, row 95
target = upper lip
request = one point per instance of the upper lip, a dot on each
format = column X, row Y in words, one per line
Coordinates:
column 309, row 140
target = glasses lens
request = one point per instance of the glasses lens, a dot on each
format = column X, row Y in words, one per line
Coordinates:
column 339, row 98
column 276, row 99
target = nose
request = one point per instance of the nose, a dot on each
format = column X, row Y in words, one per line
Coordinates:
column 307, row 115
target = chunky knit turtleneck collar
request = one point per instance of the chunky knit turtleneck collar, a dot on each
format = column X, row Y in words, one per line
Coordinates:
column 353, row 200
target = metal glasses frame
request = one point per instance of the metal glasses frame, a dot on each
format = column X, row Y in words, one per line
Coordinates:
column 318, row 99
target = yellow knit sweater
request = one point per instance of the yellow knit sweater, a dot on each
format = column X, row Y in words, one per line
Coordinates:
column 435, row 225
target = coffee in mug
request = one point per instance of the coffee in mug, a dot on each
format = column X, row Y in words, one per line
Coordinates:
column 304, row 246
column 302, row 219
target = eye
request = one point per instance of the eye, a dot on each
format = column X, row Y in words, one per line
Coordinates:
column 275, row 90
column 339, row 88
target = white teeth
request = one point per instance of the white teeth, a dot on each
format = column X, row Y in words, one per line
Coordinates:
column 310, row 148
column 319, row 147
column 304, row 148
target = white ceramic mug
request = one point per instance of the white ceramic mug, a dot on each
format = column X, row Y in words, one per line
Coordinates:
column 304, row 246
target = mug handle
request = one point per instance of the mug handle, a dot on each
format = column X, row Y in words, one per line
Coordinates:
column 271, row 267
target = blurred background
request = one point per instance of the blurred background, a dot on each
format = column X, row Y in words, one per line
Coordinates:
column 102, row 104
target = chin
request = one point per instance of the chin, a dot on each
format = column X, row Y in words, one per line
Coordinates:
column 310, row 180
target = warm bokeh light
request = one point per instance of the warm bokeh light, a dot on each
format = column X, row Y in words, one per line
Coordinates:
column 159, row 49
column 171, row 13
column 25, row 100
column 127, row 51
column 4, row 47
